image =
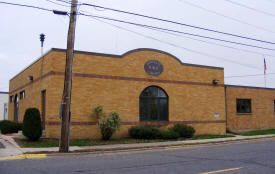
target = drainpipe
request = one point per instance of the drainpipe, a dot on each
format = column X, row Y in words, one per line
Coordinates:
column 225, row 98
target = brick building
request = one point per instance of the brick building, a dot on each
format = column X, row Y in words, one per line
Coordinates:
column 145, row 86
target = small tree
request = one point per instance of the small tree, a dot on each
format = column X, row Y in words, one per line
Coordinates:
column 32, row 127
column 108, row 125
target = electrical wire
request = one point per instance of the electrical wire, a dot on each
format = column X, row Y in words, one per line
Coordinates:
column 177, row 46
column 201, row 53
column 148, row 26
column 250, row 8
column 227, row 17
column 58, row 3
column 213, row 43
column 176, row 31
column 23, row 5
column 178, row 23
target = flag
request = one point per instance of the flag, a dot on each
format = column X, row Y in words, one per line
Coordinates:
column 264, row 67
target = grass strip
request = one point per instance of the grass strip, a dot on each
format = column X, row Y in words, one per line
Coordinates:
column 258, row 132
column 210, row 136
column 87, row 142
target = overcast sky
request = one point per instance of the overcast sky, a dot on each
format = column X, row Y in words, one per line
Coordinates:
column 20, row 29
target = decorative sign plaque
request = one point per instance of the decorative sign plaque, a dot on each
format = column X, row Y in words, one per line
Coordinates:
column 153, row 67
column 216, row 115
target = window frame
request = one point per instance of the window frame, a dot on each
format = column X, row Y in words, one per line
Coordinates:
column 22, row 95
column 11, row 99
column 239, row 109
column 144, row 100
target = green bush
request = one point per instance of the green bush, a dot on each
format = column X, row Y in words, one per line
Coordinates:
column 109, row 125
column 168, row 134
column 98, row 112
column 144, row 132
column 183, row 130
column 7, row 126
column 32, row 127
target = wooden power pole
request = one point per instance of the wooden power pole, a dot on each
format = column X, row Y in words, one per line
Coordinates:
column 66, row 98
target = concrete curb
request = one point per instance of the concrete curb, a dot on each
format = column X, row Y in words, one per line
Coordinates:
column 24, row 156
column 53, row 151
column 142, row 146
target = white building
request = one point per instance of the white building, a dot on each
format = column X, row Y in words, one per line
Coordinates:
column 4, row 98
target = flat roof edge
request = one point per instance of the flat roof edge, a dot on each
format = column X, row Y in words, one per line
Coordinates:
column 135, row 50
column 36, row 60
column 252, row 87
column 1, row 92
column 116, row 56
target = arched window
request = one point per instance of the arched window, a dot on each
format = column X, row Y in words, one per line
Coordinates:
column 153, row 104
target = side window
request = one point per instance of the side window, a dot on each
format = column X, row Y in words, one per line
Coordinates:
column 11, row 98
column 243, row 105
column 22, row 95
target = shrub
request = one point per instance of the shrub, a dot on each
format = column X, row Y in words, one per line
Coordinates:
column 7, row 126
column 183, row 130
column 98, row 112
column 32, row 127
column 109, row 125
column 169, row 134
column 144, row 132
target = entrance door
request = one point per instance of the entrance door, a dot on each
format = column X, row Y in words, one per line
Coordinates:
column 16, row 108
column 43, row 108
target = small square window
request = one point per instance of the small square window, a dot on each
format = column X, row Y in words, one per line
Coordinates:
column 22, row 95
column 243, row 105
column 11, row 98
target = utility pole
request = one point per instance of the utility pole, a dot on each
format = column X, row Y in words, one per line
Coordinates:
column 66, row 98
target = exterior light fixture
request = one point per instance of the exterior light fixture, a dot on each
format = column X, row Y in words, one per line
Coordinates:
column 215, row 81
column 30, row 78
column 57, row 12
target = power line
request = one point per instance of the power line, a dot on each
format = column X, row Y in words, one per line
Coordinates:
column 251, row 75
column 213, row 43
column 176, row 31
column 178, row 23
column 227, row 17
column 177, row 46
column 23, row 5
column 148, row 26
column 250, row 8
column 57, row 3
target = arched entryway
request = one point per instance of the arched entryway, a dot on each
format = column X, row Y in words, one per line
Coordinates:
column 153, row 104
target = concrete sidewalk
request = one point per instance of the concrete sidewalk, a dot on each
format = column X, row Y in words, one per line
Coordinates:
column 12, row 149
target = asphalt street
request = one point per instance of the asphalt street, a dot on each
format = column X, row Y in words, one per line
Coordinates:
column 252, row 157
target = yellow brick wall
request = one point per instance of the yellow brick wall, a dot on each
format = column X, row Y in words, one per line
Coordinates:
column 262, row 104
column 32, row 89
column 187, row 102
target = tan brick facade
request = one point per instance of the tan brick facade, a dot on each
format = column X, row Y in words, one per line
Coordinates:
column 262, row 114
column 116, row 82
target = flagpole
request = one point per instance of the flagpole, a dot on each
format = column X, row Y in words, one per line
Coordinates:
column 264, row 81
column 264, row 72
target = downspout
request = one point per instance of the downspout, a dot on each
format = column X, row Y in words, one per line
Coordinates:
column 225, row 98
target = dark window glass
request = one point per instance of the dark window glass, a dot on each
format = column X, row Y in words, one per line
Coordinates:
column 11, row 98
column 153, row 104
column 274, row 105
column 243, row 105
column 22, row 95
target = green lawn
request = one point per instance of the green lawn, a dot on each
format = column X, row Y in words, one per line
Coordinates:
column 258, row 132
column 45, row 142
column 210, row 136
column 55, row 142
